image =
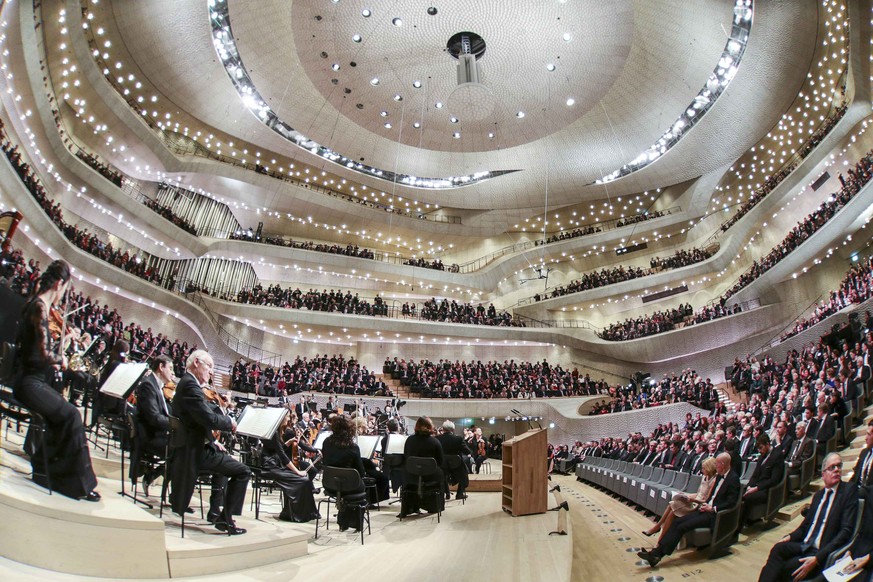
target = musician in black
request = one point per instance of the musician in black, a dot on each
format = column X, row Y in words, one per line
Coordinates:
column 63, row 443
column 201, row 453
column 153, row 411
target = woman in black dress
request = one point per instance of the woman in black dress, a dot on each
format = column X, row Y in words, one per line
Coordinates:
column 63, row 443
column 298, row 492
column 340, row 450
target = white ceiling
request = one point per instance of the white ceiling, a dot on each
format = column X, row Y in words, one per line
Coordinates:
column 631, row 65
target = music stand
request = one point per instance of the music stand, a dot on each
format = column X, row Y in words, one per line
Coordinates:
column 319, row 439
column 124, row 378
column 313, row 406
column 368, row 445
column 396, row 443
column 261, row 423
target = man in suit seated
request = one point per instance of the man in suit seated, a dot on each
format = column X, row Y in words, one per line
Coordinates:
column 802, row 448
column 863, row 472
column 725, row 495
column 768, row 473
column 827, row 428
column 153, row 413
column 828, row 524
column 454, row 448
column 200, row 452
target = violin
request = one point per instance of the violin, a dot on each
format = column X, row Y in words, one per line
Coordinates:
column 55, row 322
column 481, row 451
column 220, row 401
column 169, row 390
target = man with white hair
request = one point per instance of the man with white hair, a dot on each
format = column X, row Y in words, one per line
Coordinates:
column 454, row 449
column 201, row 453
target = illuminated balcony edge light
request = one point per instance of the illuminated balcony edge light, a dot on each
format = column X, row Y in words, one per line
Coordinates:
column 226, row 48
column 724, row 72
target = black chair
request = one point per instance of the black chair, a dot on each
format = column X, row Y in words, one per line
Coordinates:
column 344, row 487
column 420, row 468
column 800, row 481
column 142, row 462
column 775, row 500
column 721, row 536
column 13, row 410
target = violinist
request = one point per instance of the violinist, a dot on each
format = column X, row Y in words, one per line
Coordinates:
column 69, row 462
column 298, row 445
column 152, row 407
column 200, row 453
column 298, row 491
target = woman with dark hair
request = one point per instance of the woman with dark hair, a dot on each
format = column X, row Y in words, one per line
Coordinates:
column 422, row 444
column 298, row 492
column 340, row 450
column 63, row 444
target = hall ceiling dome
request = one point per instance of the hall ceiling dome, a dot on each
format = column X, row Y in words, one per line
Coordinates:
column 572, row 89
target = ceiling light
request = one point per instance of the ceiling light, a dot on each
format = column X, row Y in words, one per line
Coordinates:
column 567, row 37
column 366, row 13
column 454, row 120
column 387, row 126
column 490, row 136
column 432, row 10
column 550, row 67
column 335, row 67
column 570, row 102
column 416, row 84
column 520, row 114
column 398, row 97
column 439, row 104
column 384, row 114
column 396, row 22
column 416, row 125
column 374, row 81
column 456, row 135
column 356, row 38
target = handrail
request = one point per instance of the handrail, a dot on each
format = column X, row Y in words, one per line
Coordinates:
column 769, row 343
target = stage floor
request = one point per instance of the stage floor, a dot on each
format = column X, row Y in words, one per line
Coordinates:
column 476, row 540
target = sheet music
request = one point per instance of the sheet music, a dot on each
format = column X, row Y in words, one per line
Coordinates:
column 123, row 379
column 319, row 440
column 836, row 572
column 260, row 422
column 367, row 444
column 396, row 443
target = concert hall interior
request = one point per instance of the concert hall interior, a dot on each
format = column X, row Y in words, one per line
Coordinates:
column 566, row 289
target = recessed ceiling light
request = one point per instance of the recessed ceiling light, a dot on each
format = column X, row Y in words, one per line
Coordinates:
column 416, row 84
column 416, row 125
column 570, row 102
column 383, row 113
column 398, row 97
column 490, row 136
column 366, row 13
column 550, row 67
column 335, row 67
column 387, row 126
column 356, row 37
column 567, row 37
column 454, row 120
column 456, row 135
column 396, row 22
column 439, row 104
column 432, row 10
column 374, row 81
column 520, row 114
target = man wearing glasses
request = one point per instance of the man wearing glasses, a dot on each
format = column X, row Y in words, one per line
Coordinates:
column 828, row 525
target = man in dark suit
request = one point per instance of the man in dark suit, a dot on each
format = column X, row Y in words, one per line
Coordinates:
column 802, row 448
column 675, row 457
column 689, row 457
column 200, row 453
column 768, row 473
column 827, row 428
column 747, row 443
column 725, row 495
column 783, row 438
column 152, row 409
column 828, row 525
column 454, row 448
column 863, row 471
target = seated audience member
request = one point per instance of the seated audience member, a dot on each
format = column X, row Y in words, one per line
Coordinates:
column 863, row 472
column 828, row 524
column 802, row 449
column 725, row 495
column 682, row 505
column 863, row 545
column 768, row 473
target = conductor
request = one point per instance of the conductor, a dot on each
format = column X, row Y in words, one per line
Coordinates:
column 200, row 453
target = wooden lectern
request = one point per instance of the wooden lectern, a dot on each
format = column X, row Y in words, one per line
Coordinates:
column 526, row 473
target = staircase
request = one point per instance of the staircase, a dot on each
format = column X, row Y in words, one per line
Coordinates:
column 399, row 391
